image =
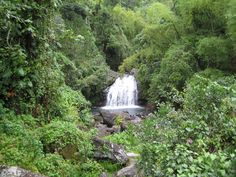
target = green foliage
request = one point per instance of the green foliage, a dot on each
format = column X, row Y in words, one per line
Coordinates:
column 200, row 135
column 133, row 22
column 159, row 13
column 118, row 120
column 231, row 22
column 90, row 168
column 85, row 68
column 176, row 67
column 71, row 105
column 53, row 165
column 127, row 138
column 214, row 51
column 53, row 53
column 110, row 167
column 111, row 39
column 19, row 144
column 204, row 16
column 59, row 135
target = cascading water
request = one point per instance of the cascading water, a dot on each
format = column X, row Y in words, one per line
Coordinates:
column 123, row 93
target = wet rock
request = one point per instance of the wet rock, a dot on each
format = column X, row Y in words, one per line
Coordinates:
column 136, row 120
column 134, row 72
column 16, row 172
column 125, row 115
column 142, row 115
column 109, row 151
column 103, row 130
column 111, row 76
column 97, row 117
column 132, row 155
column 129, row 171
column 104, row 174
column 108, row 118
column 123, row 126
column 133, row 120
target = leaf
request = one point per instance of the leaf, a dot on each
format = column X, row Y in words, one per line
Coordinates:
column 21, row 72
column 7, row 74
column 30, row 84
column 213, row 157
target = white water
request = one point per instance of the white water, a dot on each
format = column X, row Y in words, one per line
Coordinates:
column 123, row 93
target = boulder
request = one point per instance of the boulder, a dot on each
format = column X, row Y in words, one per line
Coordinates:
column 132, row 120
column 108, row 118
column 125, row 115
column 134, row 72
column 111, row 76
column 109, row 151
column 103, row 130
column 129, row 171
column 98, row 117
column 16, row 172
column 136, row 120
column 123, row 126
column 104, row 174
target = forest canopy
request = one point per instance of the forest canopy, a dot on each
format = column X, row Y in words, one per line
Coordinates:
column 56, row 60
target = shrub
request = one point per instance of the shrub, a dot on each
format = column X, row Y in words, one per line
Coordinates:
column 19, row 145
column 90, row 168
column 53, row 165
column 213, row 51
column 176, row 68
column 59, row 135
column 197, row 139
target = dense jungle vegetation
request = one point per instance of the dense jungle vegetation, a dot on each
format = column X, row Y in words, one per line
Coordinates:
column 56, row 55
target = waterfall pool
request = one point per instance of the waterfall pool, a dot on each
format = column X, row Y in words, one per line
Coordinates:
column 132, row 110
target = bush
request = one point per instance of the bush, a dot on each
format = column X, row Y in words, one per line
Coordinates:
column 59, row 135
column 197, row 139
column 128, row 139
column 70, row 105
column 19, row 145
column 176, row 68
column 213, row 51
column 90, row 168
column 53, row 165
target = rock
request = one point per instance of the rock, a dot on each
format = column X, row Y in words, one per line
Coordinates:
column 103, row 130
column 111, row 76
column 132, row 120
column 16, row 172
column 123, row 126
column 104, row 174
column 110, row 151
column 142, row 115
column 134, row 72
column 125, row 115
column 137, row 120
column 98, row 117
column 68, row 152
column 132, row 155
column 108, row 118
column 129, row 171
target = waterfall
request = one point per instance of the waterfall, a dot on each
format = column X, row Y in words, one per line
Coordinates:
column 123, row 93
